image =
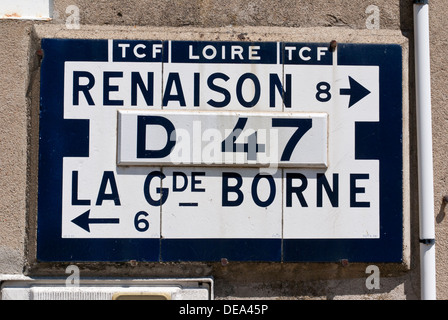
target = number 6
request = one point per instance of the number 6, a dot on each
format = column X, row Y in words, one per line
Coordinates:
column 138, row 221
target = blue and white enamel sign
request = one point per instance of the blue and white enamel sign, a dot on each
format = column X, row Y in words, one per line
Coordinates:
column 197, row 151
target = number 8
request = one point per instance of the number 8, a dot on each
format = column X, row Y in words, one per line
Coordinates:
column 323, row 92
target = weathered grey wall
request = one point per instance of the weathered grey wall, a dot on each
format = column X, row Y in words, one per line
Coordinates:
column 258, row 20
column 439, row 78
column 14, row 104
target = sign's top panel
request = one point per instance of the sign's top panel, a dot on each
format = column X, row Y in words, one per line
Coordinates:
column 226, row 52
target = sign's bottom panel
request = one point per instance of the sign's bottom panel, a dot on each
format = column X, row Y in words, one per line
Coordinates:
column 215, row 250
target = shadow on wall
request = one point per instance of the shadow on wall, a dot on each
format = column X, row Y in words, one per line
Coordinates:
column 443, row 205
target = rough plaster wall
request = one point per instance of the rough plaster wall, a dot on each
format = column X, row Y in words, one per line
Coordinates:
column 330, row 281
column 14, row 45
column 218, row 13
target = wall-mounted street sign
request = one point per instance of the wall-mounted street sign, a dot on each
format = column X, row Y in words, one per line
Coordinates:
column 197, row 151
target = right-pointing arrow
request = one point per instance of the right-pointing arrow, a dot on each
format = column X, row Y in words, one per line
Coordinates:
column 84, row 221
column 356, row 92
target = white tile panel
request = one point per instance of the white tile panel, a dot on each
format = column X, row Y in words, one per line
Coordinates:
column 26, row 9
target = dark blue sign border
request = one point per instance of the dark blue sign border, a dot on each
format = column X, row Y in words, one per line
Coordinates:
column 70, row 138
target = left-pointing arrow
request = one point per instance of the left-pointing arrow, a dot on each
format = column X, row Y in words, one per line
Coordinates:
column 84, row 221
